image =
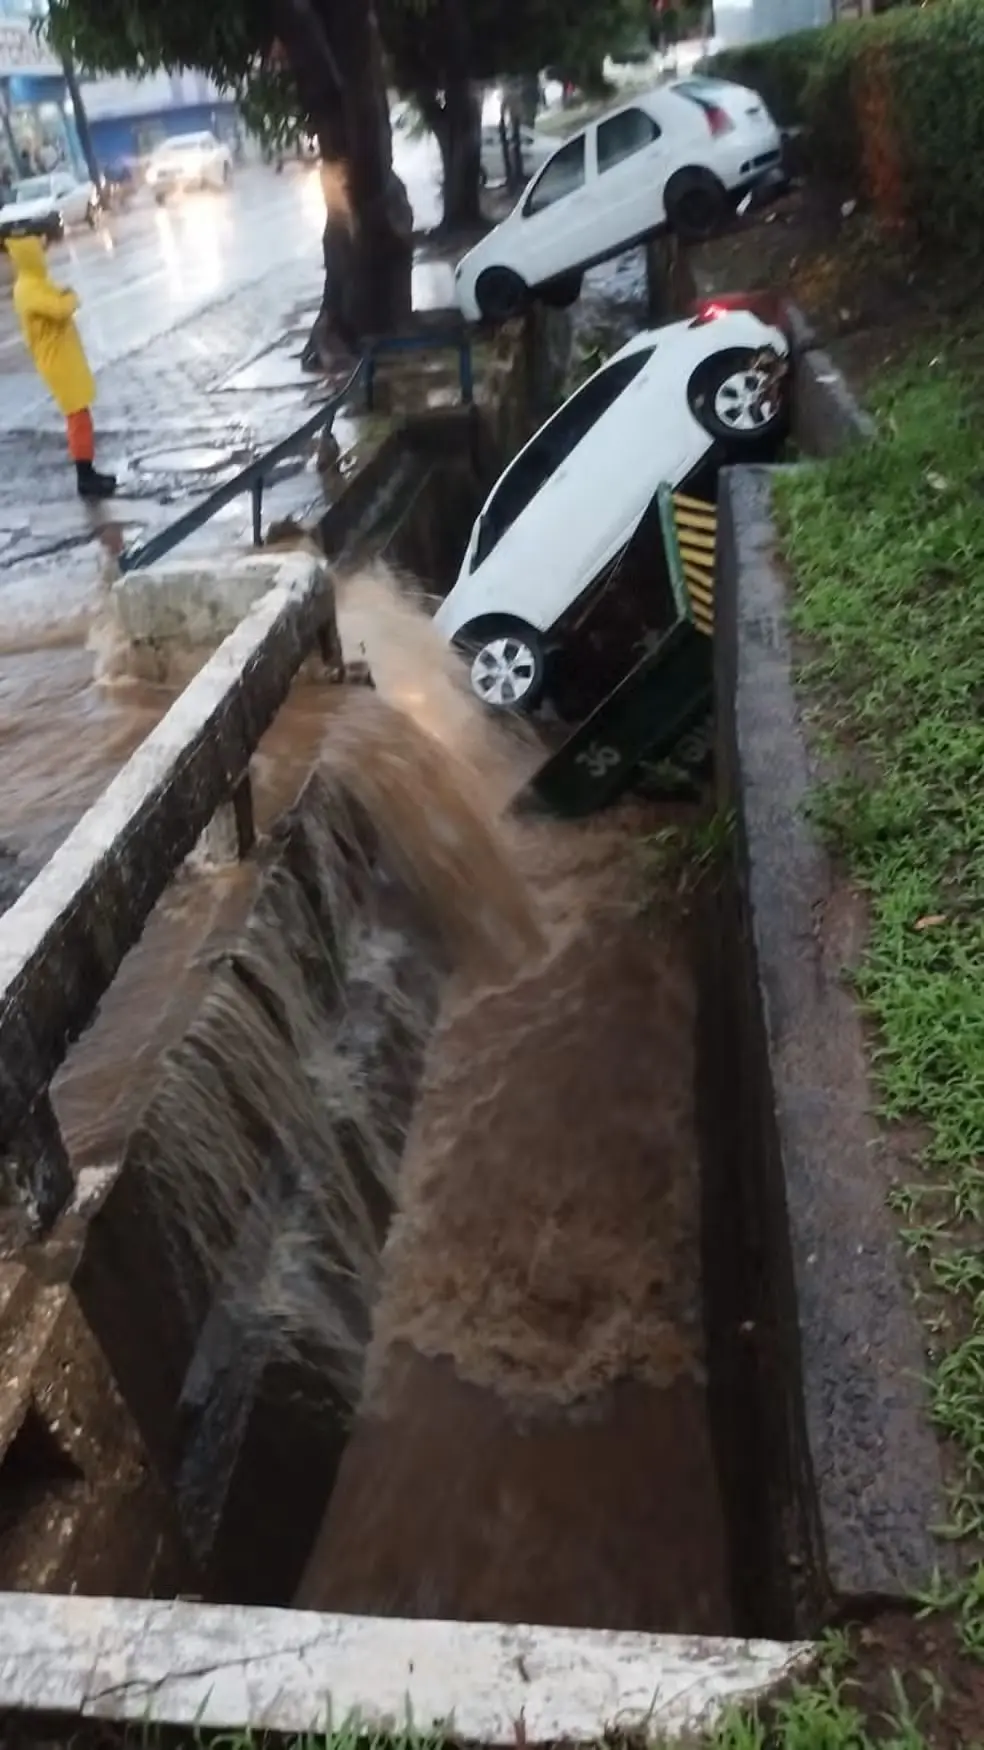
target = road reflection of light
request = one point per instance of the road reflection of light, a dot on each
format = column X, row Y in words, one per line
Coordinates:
column 169, row 251
column 191, row 245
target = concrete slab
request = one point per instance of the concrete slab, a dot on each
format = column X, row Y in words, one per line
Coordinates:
column 193, row 602
column 220, row 1667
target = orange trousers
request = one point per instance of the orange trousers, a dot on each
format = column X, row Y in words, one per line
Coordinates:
column 81, row 436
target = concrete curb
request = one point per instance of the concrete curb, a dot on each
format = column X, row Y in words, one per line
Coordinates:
column 851, row 1349
column 212, row 1667
column 827, row 416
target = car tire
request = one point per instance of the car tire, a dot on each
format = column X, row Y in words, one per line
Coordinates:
column 697, row 204
column 507, row 664
column 561, row 293
column 722, row 396
column 501, row 294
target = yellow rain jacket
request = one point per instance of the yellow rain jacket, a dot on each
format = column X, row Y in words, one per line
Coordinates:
column 45, row 313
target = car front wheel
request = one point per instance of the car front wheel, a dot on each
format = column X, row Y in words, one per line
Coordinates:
column 506, row 663
column 696, row 204
column 740, row 398
column 501, row 294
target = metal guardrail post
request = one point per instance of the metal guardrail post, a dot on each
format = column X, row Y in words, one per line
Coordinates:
column 257, row 496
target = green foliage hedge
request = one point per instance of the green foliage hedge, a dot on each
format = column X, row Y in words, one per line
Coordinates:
column 893, row 108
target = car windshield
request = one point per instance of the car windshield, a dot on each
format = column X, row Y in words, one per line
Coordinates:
column 535, row 465
column 36, row 188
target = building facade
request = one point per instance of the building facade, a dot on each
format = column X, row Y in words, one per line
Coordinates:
column 127, row 117
column 37, row 123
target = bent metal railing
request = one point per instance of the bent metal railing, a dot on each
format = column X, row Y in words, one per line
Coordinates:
column 64, row 938
column 253, row 478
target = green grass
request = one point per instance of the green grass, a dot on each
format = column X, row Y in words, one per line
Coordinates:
column 886, row 546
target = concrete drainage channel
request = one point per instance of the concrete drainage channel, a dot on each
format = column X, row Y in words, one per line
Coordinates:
column 236, row 1443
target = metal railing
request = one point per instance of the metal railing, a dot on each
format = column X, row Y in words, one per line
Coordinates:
column 253, row 478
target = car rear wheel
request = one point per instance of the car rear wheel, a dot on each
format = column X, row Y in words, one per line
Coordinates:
column 738, row 400
column 501, row 294
column 560, row 294
column 507, row 665
column 696, row 204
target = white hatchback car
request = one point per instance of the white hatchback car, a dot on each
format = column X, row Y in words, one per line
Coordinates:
column 188, row 161
column 568, row 504
column 678, row 157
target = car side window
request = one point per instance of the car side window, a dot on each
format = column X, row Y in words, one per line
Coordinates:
column 623, row 135
column 563, row 175
column 552, row 446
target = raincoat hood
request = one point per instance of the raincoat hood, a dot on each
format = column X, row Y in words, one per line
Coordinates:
column 27, row 255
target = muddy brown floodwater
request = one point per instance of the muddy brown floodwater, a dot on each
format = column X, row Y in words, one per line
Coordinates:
column 534, row 1441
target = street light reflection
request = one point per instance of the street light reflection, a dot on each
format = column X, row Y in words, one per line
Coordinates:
column 191, row 248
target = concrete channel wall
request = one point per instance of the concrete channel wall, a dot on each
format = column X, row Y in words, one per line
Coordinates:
column 817, row 1336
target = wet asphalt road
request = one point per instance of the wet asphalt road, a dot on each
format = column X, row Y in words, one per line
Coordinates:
column 148, row 270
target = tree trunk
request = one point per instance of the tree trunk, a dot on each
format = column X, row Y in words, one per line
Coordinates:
column 335, row 55
column 456, row 124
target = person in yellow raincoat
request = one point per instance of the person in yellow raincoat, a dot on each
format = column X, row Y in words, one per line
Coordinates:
column 45, row 312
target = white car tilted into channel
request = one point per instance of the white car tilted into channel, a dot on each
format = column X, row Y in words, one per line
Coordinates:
column 678, row 157
column 188, row 161
column 566, row 507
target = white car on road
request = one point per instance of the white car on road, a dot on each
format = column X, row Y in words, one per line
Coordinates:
column 48, row 205
column 188, row 161
column 536, row 149
column 678, row 157
column 565, row 508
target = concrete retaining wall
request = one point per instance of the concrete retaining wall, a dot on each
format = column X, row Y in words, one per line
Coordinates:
column 815, row 1325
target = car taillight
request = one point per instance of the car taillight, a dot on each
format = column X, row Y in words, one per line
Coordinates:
column 765, row 305
column 718, row 119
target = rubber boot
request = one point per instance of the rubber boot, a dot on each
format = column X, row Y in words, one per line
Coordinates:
column 92, row 484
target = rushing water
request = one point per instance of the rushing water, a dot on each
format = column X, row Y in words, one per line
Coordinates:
column 532, row 1321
